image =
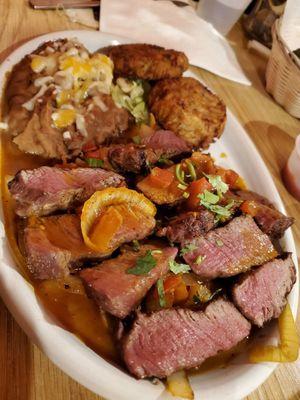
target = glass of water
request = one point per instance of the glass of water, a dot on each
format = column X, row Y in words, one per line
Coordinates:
column 222, row 14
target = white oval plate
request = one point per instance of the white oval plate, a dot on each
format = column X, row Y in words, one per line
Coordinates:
column 73, row 356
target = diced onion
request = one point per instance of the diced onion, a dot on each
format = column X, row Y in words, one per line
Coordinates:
column 288, row 349
column 179, row 386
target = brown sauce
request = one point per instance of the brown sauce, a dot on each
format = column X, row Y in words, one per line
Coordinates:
column 65, row 300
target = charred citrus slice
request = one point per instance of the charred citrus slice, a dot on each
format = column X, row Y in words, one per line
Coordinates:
column 115, row 216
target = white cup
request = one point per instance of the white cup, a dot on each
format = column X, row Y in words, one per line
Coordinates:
column 222, row 14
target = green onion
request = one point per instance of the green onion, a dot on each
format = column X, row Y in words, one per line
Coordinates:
column 181, row 186
column 161, row 292
column 219, row 243
column 94, row 162
column 192, row 170
column 186, row 195
column 179, row 174
column 156, row 252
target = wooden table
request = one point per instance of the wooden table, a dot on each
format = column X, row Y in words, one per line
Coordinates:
column 25, row 372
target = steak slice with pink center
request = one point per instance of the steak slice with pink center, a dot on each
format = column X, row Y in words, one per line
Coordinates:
column 54, row 245
column 43, row 190
column 174, row 339
column 118, row 291
column 261, row 294
column 230, row 250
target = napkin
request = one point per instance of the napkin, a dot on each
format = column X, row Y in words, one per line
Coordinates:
column 163, row 23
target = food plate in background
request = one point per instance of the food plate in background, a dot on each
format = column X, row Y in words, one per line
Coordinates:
column 69, row 353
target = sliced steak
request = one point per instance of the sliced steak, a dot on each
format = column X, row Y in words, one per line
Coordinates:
column 44, row 190
column 167, row 143
column 230, row 250
column 53, row 246
column 131, row 157
column 116, row 290
column 137, row 158
column 271, row 221
column 250, row 195
column 261, row 294
column 188, row 226
column 173, row 339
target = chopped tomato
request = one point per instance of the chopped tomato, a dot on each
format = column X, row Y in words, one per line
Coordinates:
column 172, row 282
column 161, row 178
column 249, row 207
column 93, row 154
column 228, row 176
column 89, row 146
column 195, row 188
column 181, row 293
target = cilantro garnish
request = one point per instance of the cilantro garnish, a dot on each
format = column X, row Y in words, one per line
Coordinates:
column 187, row 249
column 216, row 182
column 143, row 264
column 161, row 292
column 178, row 268
column 208, row 198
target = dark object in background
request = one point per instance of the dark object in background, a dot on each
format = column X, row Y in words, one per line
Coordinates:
column 259, row 21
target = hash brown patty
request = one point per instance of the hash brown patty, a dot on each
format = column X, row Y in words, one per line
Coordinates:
column 146, row 61
column 189, row 109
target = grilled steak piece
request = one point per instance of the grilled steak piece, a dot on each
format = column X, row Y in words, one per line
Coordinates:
column 230, row 250
column 167, row 143
column 188, row 226
column 44, row 190
column 136, row 158
column 54, row 245
column 268, row 218
column 131, row 157
column 250, row 195
column 173, row 339
column 116, row 290
column 261, row 294
column 271, row 221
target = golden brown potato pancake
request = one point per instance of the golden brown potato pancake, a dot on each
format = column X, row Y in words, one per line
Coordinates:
column 189, row 109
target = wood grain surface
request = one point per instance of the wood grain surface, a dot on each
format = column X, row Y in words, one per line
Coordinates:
column 25, row 372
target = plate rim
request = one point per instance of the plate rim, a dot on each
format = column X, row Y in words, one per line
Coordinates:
column 15, row 306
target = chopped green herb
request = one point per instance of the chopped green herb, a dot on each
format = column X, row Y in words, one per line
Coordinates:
column 192, row 171
column 200, row 259
column 208, row 197
column 188, row 248
column 180, row 174
column 136, row 139
column 217, row 183
column 161, row 292
column 178, row 268
column 143, row 264
column 94, row 162
column 219, row 243
column 186, row 195
column 136, row 245
column 181, row 186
